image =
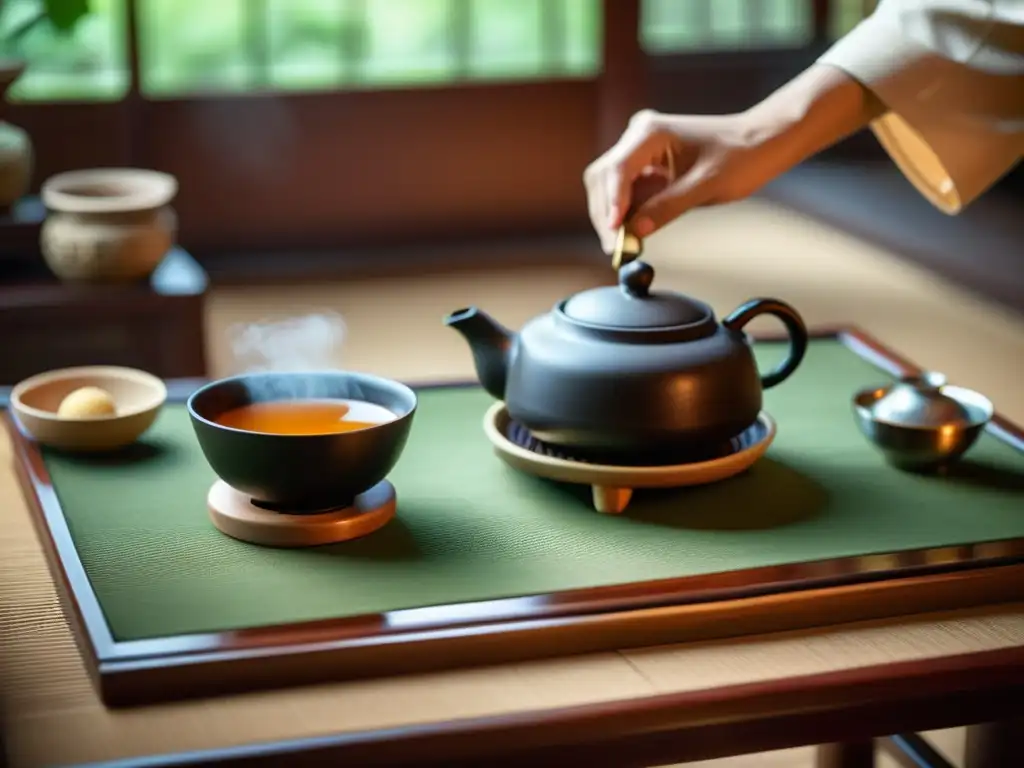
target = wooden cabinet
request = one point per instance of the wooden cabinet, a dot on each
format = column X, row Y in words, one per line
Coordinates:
column 156, row 325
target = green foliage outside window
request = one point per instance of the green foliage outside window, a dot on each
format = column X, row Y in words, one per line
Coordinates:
column 682, row 26
column 202, row 46
column 692, row 26
column 239, row 45
column 846, row 14
column 74, row 48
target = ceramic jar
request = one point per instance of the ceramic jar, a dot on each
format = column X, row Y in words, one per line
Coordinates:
column 108, row 224
column 15, row 145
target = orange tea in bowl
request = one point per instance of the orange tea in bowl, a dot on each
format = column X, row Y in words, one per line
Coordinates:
column 302, row 440
column 306, row 417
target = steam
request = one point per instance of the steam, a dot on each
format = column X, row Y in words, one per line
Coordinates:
column 294, row 345
column 308, row 343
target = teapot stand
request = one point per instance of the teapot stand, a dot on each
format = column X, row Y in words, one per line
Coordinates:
column 612, row 486
column 234, row 514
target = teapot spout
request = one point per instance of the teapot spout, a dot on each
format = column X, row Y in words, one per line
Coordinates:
column 491, row 344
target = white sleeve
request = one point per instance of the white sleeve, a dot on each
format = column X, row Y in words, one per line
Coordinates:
column 951, row 74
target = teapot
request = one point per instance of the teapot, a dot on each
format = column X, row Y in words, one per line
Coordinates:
column 620, row 371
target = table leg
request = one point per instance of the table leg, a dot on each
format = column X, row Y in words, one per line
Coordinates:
column 995, row 745
column 854, row 754
column 911, row 750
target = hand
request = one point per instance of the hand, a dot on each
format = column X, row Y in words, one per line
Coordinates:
column 664, row 165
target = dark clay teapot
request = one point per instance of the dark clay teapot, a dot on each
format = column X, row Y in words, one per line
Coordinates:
column 624, row 370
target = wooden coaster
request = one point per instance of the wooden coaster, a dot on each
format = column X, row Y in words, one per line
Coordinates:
column 234, row 514
column 613, row 486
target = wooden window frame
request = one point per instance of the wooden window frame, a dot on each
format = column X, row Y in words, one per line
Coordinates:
column 340, row 170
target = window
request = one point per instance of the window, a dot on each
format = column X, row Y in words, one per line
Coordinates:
column 88, row 64
column 693, row 26
column 341, row 70
column 189, row 47
column 844, row 15
column 196, row 46
column 199, row 60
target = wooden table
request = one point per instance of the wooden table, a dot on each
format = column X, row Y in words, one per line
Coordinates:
column 634, row 707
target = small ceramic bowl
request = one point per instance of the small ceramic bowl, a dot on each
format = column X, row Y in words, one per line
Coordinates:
column 301, row 472
column 138, row 397
column 923, row 448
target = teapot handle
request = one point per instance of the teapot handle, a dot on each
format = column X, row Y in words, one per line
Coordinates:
column 795, row 328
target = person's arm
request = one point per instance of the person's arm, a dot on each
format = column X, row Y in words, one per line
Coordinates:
column 717, row 159
column 950, row 74
column 815, row 110
column 940, row 82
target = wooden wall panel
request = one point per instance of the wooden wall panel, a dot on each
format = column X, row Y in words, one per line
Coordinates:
column 347, row 168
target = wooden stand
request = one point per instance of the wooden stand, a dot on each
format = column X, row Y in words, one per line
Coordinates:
column 155, row 325
column 234, row 514
column 613, row 486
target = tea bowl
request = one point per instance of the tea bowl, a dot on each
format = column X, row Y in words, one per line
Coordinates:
column 138, row 397
column 296, row 473
column 923, row 447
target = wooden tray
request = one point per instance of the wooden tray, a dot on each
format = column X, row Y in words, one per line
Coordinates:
column 586, row 620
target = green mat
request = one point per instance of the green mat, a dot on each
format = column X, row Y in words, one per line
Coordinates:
column 469, row 528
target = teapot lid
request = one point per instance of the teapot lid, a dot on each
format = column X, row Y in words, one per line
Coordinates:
column 632, row 304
